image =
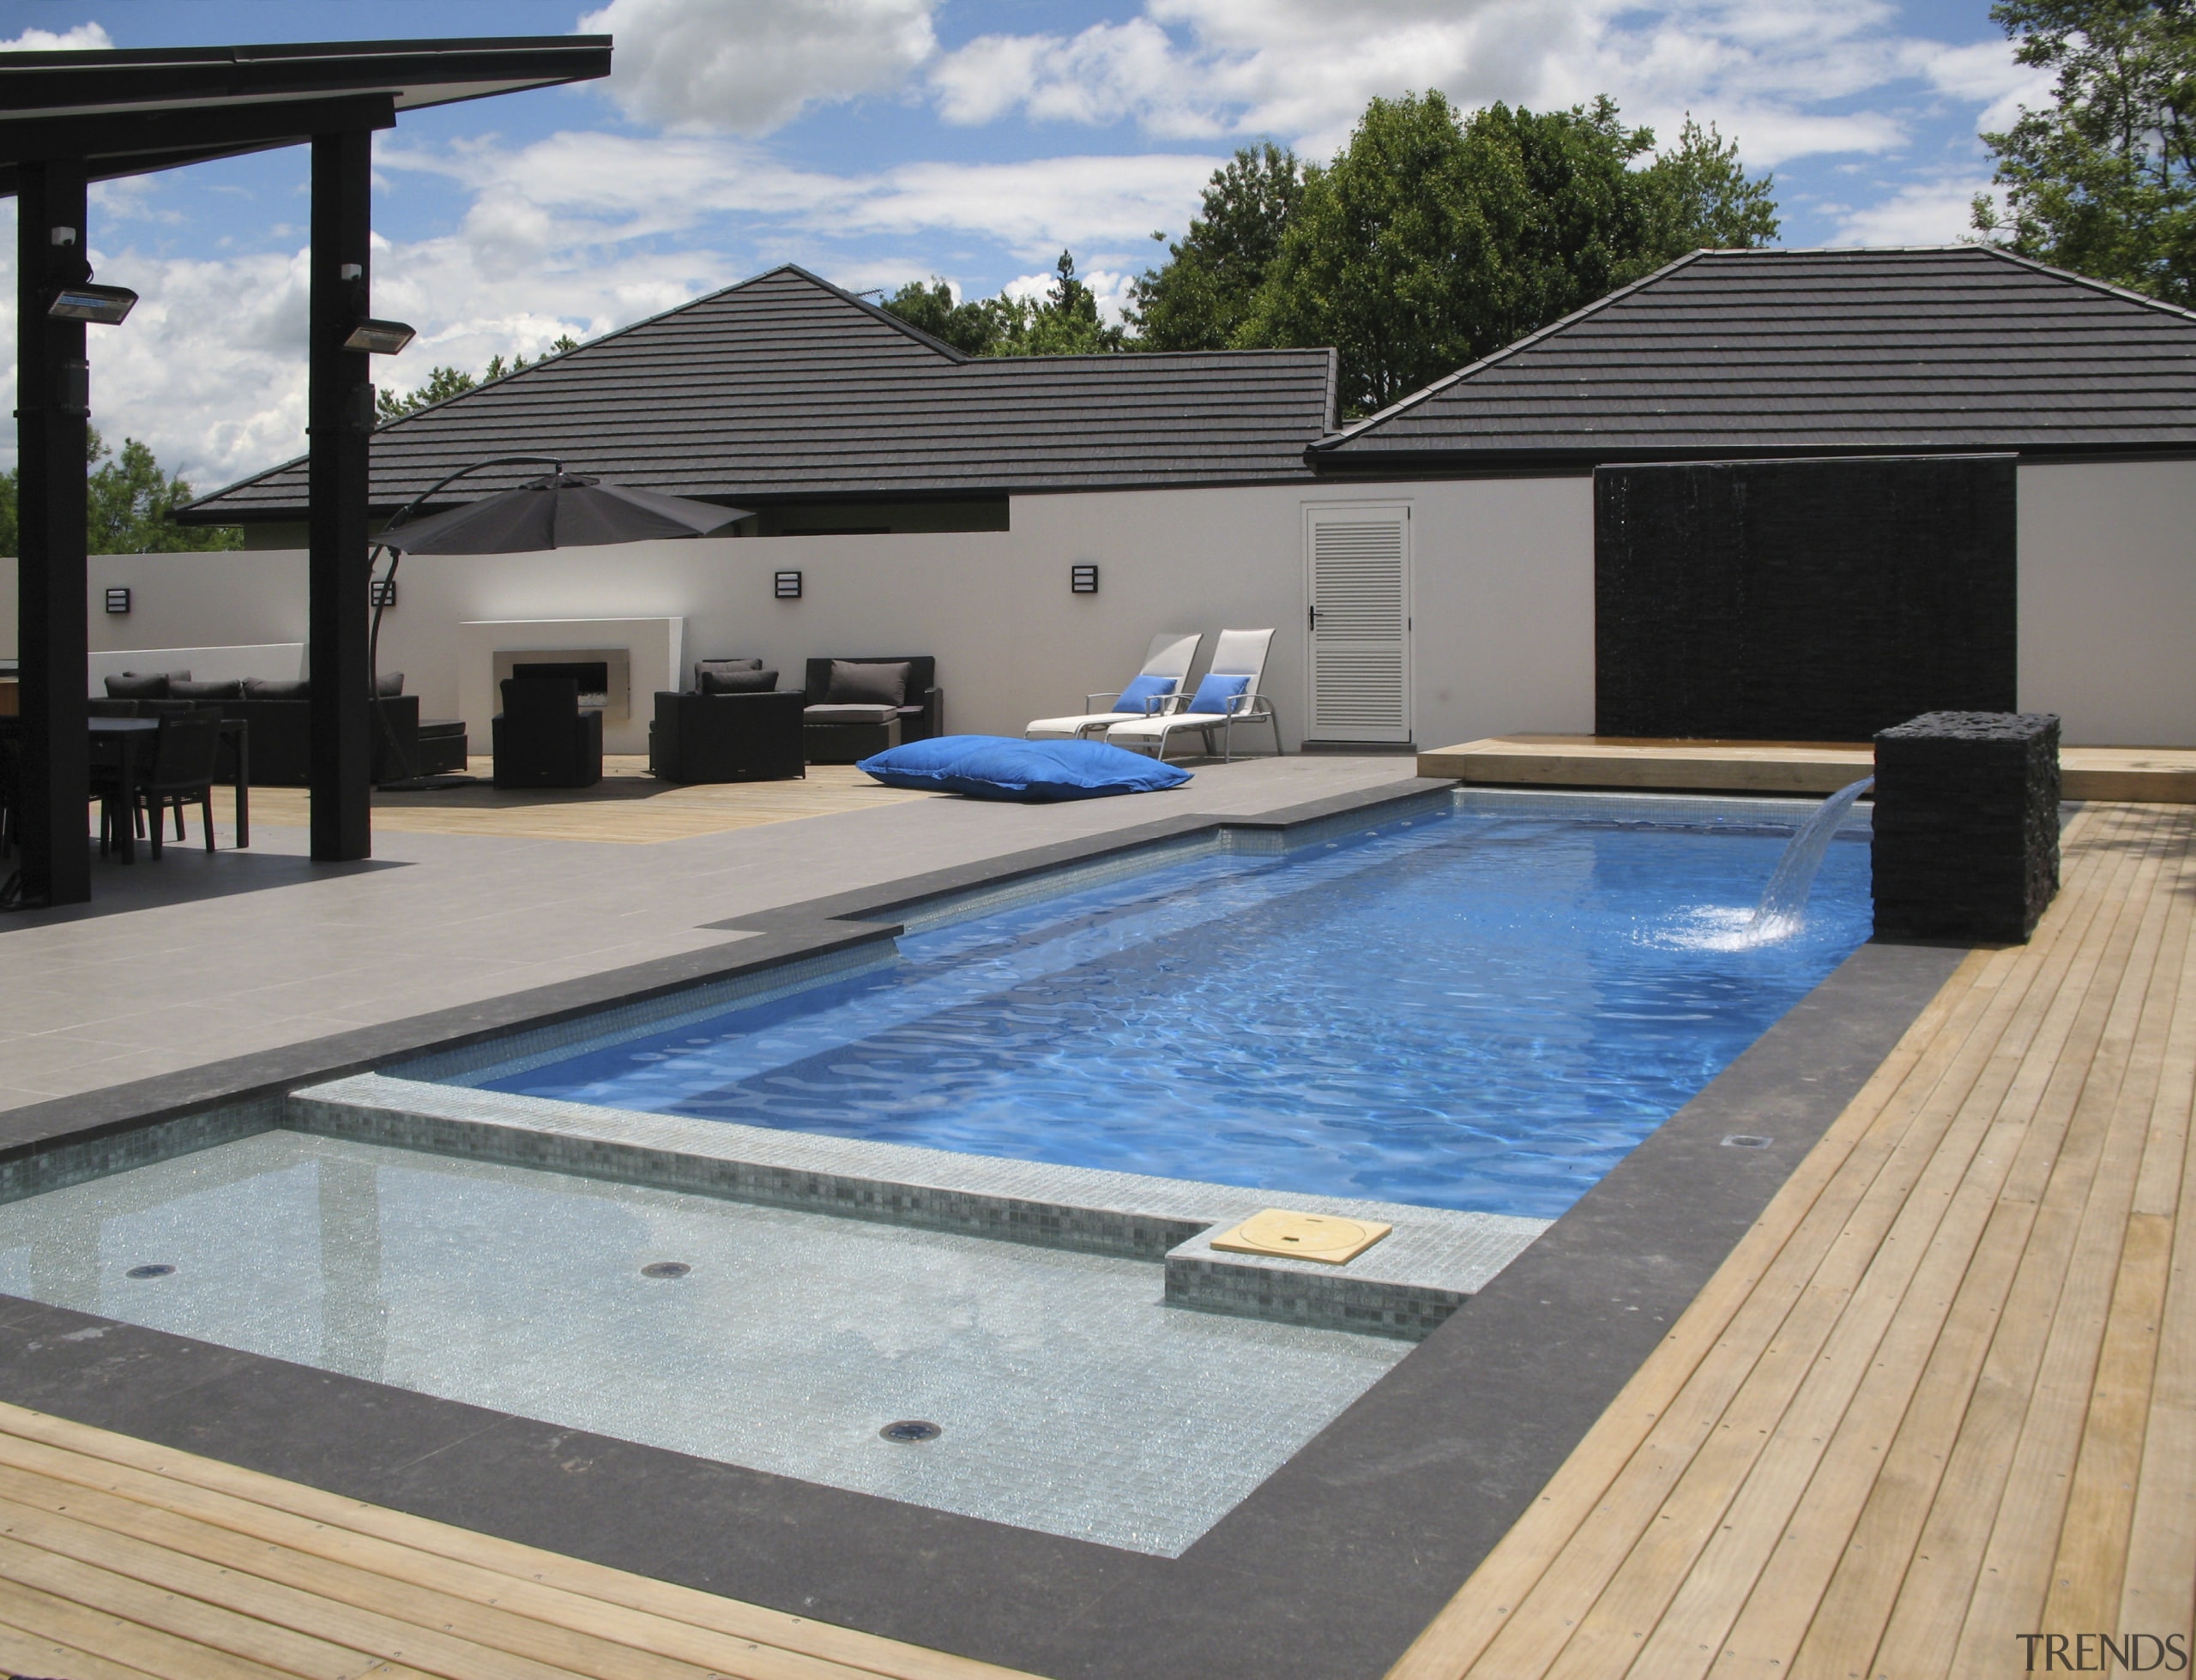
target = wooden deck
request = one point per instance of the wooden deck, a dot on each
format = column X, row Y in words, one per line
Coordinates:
column 627, row 807
column 1944, row 1393
column 120, row 1560
column 2154, row 774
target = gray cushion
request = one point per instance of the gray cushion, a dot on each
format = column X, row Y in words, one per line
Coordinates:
column 849, row 714
column 704, row 669
column 864, row 684
column 278, row 688
column 388, row 682
column 757, row 681
column 144, row 684
column 182, row 688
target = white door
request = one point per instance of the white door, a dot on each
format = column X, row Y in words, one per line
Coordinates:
column 1357, row 566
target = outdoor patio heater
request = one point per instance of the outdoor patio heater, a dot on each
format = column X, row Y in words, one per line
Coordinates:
column 68, row 119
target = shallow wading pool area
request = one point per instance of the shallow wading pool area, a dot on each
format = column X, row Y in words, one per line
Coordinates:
column 760, row 1221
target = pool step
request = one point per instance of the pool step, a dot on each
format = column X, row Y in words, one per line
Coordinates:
column 1405, row 1286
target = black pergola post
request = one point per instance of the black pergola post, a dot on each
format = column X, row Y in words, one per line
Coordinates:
column 52, row 391
column 340, row 409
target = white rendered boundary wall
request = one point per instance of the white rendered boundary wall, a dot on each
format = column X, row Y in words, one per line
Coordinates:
column 1502, row 607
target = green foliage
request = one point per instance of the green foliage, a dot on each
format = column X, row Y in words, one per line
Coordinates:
column 1200, row 297
column 1435, row 239
column 971, row 327
column 128, row 501
column 2103, row 182
column 1063, row 322
column 445, row 382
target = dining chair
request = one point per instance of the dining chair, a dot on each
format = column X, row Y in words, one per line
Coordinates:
column 181, row 773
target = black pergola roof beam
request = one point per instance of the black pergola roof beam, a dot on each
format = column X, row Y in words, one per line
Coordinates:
column 110, row 142
column 417, row 73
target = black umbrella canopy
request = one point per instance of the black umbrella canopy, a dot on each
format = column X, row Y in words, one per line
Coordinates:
column 559, row 511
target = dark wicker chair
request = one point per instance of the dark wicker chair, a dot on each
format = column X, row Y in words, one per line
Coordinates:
column 541, row 737
column 706, row 737
column 183, row 755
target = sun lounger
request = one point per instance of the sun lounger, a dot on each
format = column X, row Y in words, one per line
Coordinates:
column 1228, row 695
column 1166, row 667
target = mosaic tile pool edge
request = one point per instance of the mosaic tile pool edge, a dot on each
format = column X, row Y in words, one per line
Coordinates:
column 1403, row 1287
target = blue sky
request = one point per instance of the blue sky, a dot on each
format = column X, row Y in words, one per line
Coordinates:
column 876, row 141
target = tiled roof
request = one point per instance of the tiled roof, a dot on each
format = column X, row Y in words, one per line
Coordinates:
column 1805, row 353
column 785, row 386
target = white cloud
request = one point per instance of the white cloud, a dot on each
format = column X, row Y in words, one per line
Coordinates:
column 84, row 37
column 1305, row 69
column 1922, row 213
column 750, row 66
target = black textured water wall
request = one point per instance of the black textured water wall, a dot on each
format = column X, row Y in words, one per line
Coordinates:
column 1802, row 600
column 1966, row 824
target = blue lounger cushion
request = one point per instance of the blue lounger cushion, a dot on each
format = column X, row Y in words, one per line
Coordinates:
column 998, row 767
column 1215, row 692
column 1139, row 693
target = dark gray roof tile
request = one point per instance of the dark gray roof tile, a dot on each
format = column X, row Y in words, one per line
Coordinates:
column 785, row 386
column 1735, row 352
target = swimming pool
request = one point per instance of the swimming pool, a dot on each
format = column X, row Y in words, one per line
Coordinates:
column 1482, row 1007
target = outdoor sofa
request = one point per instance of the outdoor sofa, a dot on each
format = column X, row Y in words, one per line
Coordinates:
column 279, row 714
column 859, row 706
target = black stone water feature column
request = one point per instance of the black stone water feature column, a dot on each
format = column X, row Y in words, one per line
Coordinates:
column 1966, row 826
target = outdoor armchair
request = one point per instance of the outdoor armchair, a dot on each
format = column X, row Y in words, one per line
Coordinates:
column 710, row 738
column 542, row 738
column 1228, row 695
column 1166, row 667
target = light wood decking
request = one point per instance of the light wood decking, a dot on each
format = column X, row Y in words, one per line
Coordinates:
column 1944, row 1393
column 2157, row 775
column 121, row 1560
column 627, row 807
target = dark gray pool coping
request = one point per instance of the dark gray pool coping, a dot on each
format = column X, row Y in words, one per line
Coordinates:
column 1329, row 1569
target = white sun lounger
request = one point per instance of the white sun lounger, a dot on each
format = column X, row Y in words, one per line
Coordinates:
column 1169, row 657
column 1240, row 654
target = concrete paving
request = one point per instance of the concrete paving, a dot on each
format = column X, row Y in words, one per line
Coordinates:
column 196, row 958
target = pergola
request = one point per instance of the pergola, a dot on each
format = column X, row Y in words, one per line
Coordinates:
column 71, row 118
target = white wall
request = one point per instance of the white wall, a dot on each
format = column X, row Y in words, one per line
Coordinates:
column 2108, row 605
column 1503, row 609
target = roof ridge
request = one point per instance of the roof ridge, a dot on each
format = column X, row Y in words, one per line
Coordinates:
column 1357, row 429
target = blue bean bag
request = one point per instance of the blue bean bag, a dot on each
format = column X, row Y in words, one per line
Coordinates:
column 999, row 766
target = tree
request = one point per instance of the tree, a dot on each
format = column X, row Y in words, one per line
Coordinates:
column 971, row 327
column 128, row 502
column 1435, row 239
column 1699, row 197
column 2103, row 182
column 1199, row 298
column 1065, row 322
column 445, row 382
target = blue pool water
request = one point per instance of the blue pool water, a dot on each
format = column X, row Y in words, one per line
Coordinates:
column 1466, row 1010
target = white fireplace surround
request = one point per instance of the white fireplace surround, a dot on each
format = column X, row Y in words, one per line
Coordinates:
column 654, row 651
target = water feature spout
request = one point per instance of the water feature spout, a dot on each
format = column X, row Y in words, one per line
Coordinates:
column 1780, row 912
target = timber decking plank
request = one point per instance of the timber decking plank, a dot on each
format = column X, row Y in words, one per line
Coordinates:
column 217, row 1526
column 25, row 1654
column 866, row 1653
column 335, row 1588
column 1900, row 1432
column 271, row 1604
column 2097, row 1178
column 130, row 1647
column 218, row 1633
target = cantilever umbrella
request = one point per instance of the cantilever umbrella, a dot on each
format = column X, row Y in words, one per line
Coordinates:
column 559, row 509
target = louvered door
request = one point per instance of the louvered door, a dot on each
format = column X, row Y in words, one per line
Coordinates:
column 1357, row 565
